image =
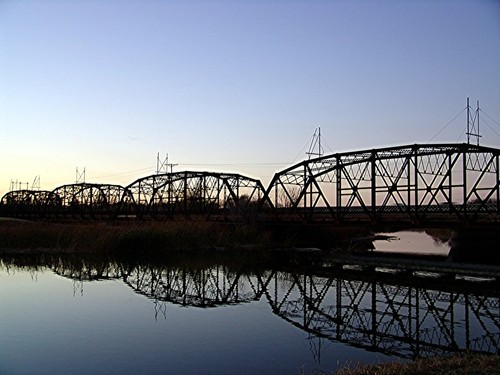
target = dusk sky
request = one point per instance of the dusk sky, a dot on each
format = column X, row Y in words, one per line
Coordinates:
column 234, row 86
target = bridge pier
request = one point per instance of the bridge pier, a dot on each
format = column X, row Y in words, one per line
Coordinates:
column 475, row 245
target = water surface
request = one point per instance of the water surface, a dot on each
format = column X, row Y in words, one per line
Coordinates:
column 71, row 315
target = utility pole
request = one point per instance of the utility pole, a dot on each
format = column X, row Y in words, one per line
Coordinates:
column 170, row 165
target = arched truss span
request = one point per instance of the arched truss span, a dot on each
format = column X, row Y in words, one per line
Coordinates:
column 200, row 287
column 408, row 184
column 207, row 194
column 84, row 200
column 24, row 203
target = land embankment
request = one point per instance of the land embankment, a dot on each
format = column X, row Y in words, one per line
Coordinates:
column 160, row 237
column 114, row 237
column 460, row 364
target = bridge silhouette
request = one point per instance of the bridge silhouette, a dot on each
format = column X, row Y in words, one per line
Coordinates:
column 414, row 185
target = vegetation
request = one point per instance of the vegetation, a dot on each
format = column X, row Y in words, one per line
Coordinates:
column 460, row 364
column 162, row 237
column 126, row 237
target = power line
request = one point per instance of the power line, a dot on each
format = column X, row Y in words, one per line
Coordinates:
column 127, row 173
column 489, row 126
column 491, row 118
column 231, row 164
column 300, row 152
column 447, row 124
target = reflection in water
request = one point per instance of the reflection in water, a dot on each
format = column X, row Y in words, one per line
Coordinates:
column 399, row 316
column 418, row 242
column 209, row 287
column 398, row 320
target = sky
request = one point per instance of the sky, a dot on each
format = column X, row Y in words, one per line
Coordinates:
column 234, row 86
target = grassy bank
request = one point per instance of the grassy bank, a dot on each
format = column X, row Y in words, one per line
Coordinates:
column 126, row 237
column 162, row 236
column 460, row 364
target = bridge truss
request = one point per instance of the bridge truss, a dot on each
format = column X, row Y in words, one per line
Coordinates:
column 454, row 183
column 83, row 200
column 416, row 185
column 24, row 203
column 207, row 194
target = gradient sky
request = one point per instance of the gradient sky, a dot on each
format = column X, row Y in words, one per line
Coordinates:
column 235, row 86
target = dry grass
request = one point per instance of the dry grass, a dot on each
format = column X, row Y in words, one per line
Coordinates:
column 125, row 237
column 464, row 364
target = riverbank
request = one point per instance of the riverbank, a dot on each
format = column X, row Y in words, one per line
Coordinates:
column 460, row 364
column 124, row 237
column 160, row 237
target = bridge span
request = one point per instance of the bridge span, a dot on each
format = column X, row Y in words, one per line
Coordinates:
column 413, row 184
column 419, row 185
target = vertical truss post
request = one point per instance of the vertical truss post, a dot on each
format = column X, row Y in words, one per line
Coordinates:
column 417, row 322
column 497, row 175
column 464, row 181
column 374, row 184
column 218, row 194
column 374, row 314
column 305, row 187
column 204, row 195
column 339, row 183
column 410, row 315
column 185, row 203
column 450, row 181
column 452, row 320
column 304, row 300
column 338, row 306
column 169, row 193
column 467, row 322
column 416, row 173
column 237, row 193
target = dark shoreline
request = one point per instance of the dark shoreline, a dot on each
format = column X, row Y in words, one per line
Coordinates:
column 162, row 237
column 458, row 364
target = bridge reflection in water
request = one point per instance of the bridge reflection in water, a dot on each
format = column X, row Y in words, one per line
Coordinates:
column 406, row 316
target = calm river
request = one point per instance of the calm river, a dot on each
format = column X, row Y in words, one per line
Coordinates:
column 72, row 315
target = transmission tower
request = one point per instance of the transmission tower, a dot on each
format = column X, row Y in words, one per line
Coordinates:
column 315, row 141
column 18, row 185
column 472, row 123
column 163, row 166
column 80, row 177
column 36, row 183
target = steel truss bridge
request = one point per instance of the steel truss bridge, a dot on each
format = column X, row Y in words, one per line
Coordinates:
column 209, row 195
column 409, row 317
column 440, row 184
column 415, row 184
